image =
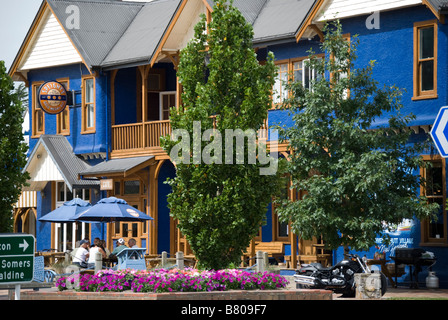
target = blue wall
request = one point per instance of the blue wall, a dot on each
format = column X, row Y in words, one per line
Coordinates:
column 81, row 143
column 392, row 47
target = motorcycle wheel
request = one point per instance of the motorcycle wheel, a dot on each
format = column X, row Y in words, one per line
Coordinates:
column 383, row 283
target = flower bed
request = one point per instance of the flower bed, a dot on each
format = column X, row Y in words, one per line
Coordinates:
column 158, row 281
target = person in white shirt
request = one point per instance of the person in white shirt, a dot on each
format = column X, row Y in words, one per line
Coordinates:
column 93, row 250
column 82, row 254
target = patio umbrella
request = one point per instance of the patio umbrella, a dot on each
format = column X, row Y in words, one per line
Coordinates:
column 67, row 212
column 112, row 209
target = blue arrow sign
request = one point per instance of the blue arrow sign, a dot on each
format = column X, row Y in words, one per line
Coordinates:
column 439, row 132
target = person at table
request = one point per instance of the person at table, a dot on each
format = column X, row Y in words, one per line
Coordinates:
column 82, row 254
column 104, row 247
column 120, row 246
column 132, row 243
column 93, row 251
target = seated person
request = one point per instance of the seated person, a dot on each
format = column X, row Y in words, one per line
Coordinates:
column 82, row 254
column 119, row 248
column 132, row 243
column 93, row 250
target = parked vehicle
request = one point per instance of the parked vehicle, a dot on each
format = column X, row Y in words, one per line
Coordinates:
column 339, row 278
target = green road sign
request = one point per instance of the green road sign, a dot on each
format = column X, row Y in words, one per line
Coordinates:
column 16, row 258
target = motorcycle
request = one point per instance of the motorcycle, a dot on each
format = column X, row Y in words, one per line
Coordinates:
column 339, row 278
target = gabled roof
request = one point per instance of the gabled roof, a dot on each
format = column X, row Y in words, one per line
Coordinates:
column 114, row 33
column 61, row 158
column 276, row 20
column 139, row 42
column 102, row 24
column 293, row 15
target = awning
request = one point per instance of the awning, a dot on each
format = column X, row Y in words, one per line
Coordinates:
column 118, row 167
column 53, row 159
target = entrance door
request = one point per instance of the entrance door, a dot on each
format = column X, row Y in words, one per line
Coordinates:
column 128, row 229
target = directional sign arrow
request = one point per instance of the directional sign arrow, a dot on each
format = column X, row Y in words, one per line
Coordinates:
column 23, row 245
column 439, row 132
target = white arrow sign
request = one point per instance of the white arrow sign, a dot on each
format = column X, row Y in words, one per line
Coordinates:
column 23, row 245
column 439, row 132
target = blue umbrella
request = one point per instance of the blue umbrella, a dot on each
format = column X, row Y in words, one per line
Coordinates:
column 67, row 212
column 110, row 210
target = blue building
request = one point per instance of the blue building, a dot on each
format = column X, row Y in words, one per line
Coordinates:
column 118, row 60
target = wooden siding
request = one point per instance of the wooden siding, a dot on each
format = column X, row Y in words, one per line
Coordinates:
column 346, row 8
column 50, row 46
column 27, row 199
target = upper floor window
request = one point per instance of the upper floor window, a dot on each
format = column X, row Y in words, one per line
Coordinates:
column 63, row 118
column 425, row 59
column 88, row 104
column 38, row 115
column 296, row 70
column 434, row 231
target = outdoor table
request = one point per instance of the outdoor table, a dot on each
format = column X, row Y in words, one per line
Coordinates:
column 384, row 269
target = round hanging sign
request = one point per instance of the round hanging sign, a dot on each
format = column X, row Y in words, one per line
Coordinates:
column 52, row 97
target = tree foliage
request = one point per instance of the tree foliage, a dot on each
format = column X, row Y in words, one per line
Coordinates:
column 12, row 149
column 356, row 179
column 220, row 207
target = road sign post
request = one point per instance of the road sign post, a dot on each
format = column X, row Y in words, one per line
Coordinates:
column 16, row 258
column 439, row 132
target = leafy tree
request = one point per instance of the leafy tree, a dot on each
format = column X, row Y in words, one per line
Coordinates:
column 12, row 149
column 220, row 206
column 356, row 178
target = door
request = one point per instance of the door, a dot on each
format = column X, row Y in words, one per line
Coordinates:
column 128, row 229
column 167, row 101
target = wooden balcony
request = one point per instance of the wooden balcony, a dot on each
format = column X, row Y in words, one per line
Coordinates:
column 138, row 139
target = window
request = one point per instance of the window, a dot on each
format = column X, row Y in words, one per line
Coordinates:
column 425, row 60
column 88, row 105
column 63, row 118
column 38, row 115
column 295, row 69
column 434, row 231
column 280, row 92
column 303, row 73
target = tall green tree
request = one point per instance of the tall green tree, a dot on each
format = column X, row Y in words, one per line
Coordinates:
column 356, row 178
column 12, row 149
column 220, row 206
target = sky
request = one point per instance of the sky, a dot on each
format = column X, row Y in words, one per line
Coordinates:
column 16, row 17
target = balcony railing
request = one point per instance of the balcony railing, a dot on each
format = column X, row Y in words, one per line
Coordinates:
column 146, row 135
column 139, row 135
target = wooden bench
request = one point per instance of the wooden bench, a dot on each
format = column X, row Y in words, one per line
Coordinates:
column 274, row 249
column 324, row 259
